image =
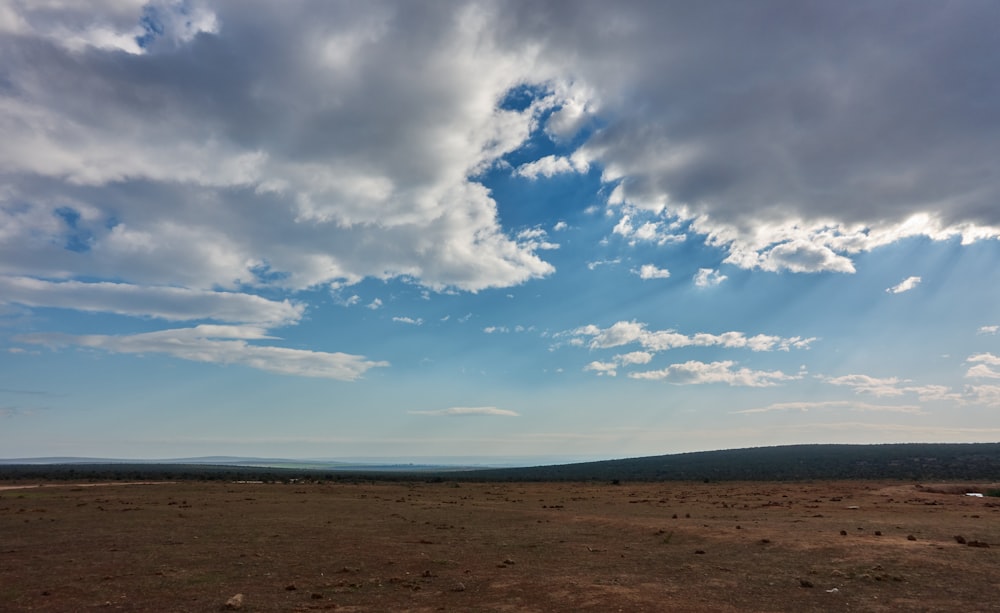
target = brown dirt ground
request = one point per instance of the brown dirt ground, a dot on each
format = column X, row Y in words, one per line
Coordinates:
column 517, row 547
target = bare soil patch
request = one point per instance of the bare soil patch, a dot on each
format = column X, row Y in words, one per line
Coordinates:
column 192, row 546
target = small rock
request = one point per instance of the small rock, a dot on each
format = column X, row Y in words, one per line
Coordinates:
column 235, row 603
column 910, row 537
column 316, row 596
column 291, row 587
column 978, row 544
column 699, row 551
column 805, row 583
column 458, row 587
column 878, row 533
column 843, row 533
column 960, row 539
column 508, row 561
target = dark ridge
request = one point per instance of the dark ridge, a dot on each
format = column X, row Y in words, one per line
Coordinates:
column 908, row 461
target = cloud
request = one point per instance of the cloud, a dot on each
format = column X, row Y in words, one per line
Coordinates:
column 238, row 180
column 218, row 344
column 168, row 303
column 627, row 332
column 409, row 320
column 552, row 165
column 986, row 366
column 787, row 137
column 893, row 386
column 708, row 277
column 904, row 286
column 648, row 231
column 986, row 395
column 594, row 265
column 805, row 406
column 801, row 255
column 650, row 271
column 610, row 369
column 989, row 329
column 9, row 412
column 889, row 386
column 467, row 411
column 535, row 238
column 291, row 147
column 701, row 373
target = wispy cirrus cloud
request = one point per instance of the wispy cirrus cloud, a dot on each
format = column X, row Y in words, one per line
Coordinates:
column 218, row 344
column 805, row 406
column 467, row 412
column 882, row 387
column 409, row 321
column 168, row 303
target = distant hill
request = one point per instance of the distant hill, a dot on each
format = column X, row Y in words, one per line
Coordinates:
column 908, row 461
column 790, row 462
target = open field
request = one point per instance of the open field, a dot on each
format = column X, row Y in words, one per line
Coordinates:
column 387, row 546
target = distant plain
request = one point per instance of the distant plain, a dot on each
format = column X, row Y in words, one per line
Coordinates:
column 450, row 546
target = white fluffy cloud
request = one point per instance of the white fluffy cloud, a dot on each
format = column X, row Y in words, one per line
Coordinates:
column 650, row 271
column 984, row 366
column 551, row 165
column 904, row 286
column 708, row 277
column 610, row 369
column 701, row 373
column 626, row 332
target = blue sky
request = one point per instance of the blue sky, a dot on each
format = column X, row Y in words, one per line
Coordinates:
column 496, row 229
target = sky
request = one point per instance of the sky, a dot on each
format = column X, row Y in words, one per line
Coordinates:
column 498, row 229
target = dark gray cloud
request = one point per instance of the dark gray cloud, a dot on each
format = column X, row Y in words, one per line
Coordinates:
column 861, row 111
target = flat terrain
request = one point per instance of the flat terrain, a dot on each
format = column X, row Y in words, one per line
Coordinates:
column 191, row 546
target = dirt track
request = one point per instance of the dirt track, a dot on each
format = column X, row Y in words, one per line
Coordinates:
column 499, row 547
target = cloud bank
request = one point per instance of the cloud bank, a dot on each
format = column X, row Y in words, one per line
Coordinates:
column 182, row 160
